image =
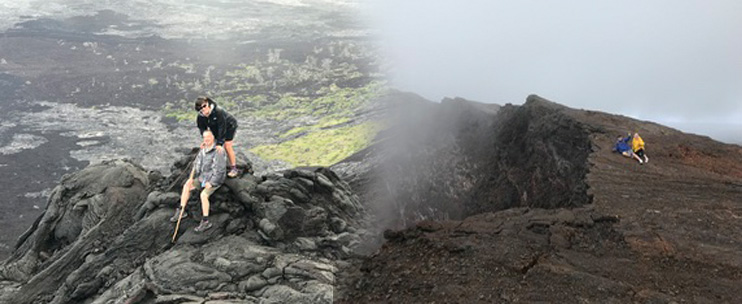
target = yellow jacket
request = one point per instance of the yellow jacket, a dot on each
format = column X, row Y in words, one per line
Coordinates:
column 637, row 143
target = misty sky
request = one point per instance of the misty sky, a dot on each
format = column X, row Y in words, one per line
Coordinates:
column 658, row 60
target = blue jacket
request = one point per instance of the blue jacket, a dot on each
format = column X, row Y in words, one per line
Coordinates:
column 622, row 145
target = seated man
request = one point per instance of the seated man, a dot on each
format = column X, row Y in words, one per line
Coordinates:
column 622, row 146
column 209, row 171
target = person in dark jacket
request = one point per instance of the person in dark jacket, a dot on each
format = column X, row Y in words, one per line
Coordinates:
column 222, row 124
column 623, row 146
column 208, row 174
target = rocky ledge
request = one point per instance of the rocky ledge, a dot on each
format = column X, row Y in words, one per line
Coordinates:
column 582, row 224
column 105, row 237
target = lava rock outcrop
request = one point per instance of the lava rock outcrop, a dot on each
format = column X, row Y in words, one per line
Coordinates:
column 105, row 237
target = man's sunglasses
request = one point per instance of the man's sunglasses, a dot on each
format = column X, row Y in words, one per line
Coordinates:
column 198, row 108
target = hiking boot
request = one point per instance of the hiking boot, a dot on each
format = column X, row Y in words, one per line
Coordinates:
column 203, row 226
column 233, row 173
column 174, row 218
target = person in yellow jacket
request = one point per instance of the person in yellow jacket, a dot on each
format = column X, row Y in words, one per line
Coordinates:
column 637, row 144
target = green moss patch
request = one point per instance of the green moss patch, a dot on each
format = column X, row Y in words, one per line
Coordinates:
column 331, row 100
column 320, row 147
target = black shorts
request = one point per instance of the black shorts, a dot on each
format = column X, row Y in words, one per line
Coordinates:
column 231, row 129
column 640, row 152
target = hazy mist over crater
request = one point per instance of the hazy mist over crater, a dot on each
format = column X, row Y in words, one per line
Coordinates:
column 677, row 63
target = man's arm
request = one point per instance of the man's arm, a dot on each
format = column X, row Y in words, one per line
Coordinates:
column 196, row 164
column 220, row 169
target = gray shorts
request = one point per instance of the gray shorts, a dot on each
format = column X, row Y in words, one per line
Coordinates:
column 196, row 185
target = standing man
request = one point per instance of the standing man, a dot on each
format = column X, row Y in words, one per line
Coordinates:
column 207, row 175
column 222, row 124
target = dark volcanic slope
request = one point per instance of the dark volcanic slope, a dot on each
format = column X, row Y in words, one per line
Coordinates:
column 668, row 231
column 460, row 158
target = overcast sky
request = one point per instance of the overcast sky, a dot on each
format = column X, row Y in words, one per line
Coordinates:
column 658, row 60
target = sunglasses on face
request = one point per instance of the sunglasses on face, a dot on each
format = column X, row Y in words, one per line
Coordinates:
column 198, row 108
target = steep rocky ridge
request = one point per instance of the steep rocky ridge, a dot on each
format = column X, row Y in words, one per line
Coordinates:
column 584, row 224
column 460, row 158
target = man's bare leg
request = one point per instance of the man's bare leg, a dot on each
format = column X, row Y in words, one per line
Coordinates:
column 184, row 196
column 205, row 202
column 205, row 224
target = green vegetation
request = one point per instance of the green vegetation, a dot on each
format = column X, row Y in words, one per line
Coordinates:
column 294, row 131
column 324, row 123
column 331, row 121
column 321, row 147
column 182, row 115
column 322, row 91
column 331, row 100
column 179, row 113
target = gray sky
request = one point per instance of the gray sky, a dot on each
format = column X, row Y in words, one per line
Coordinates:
column 668, row 61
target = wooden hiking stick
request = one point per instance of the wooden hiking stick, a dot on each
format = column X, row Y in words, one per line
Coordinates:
column 182, row 175
column 180, row 216
column 182, row 208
